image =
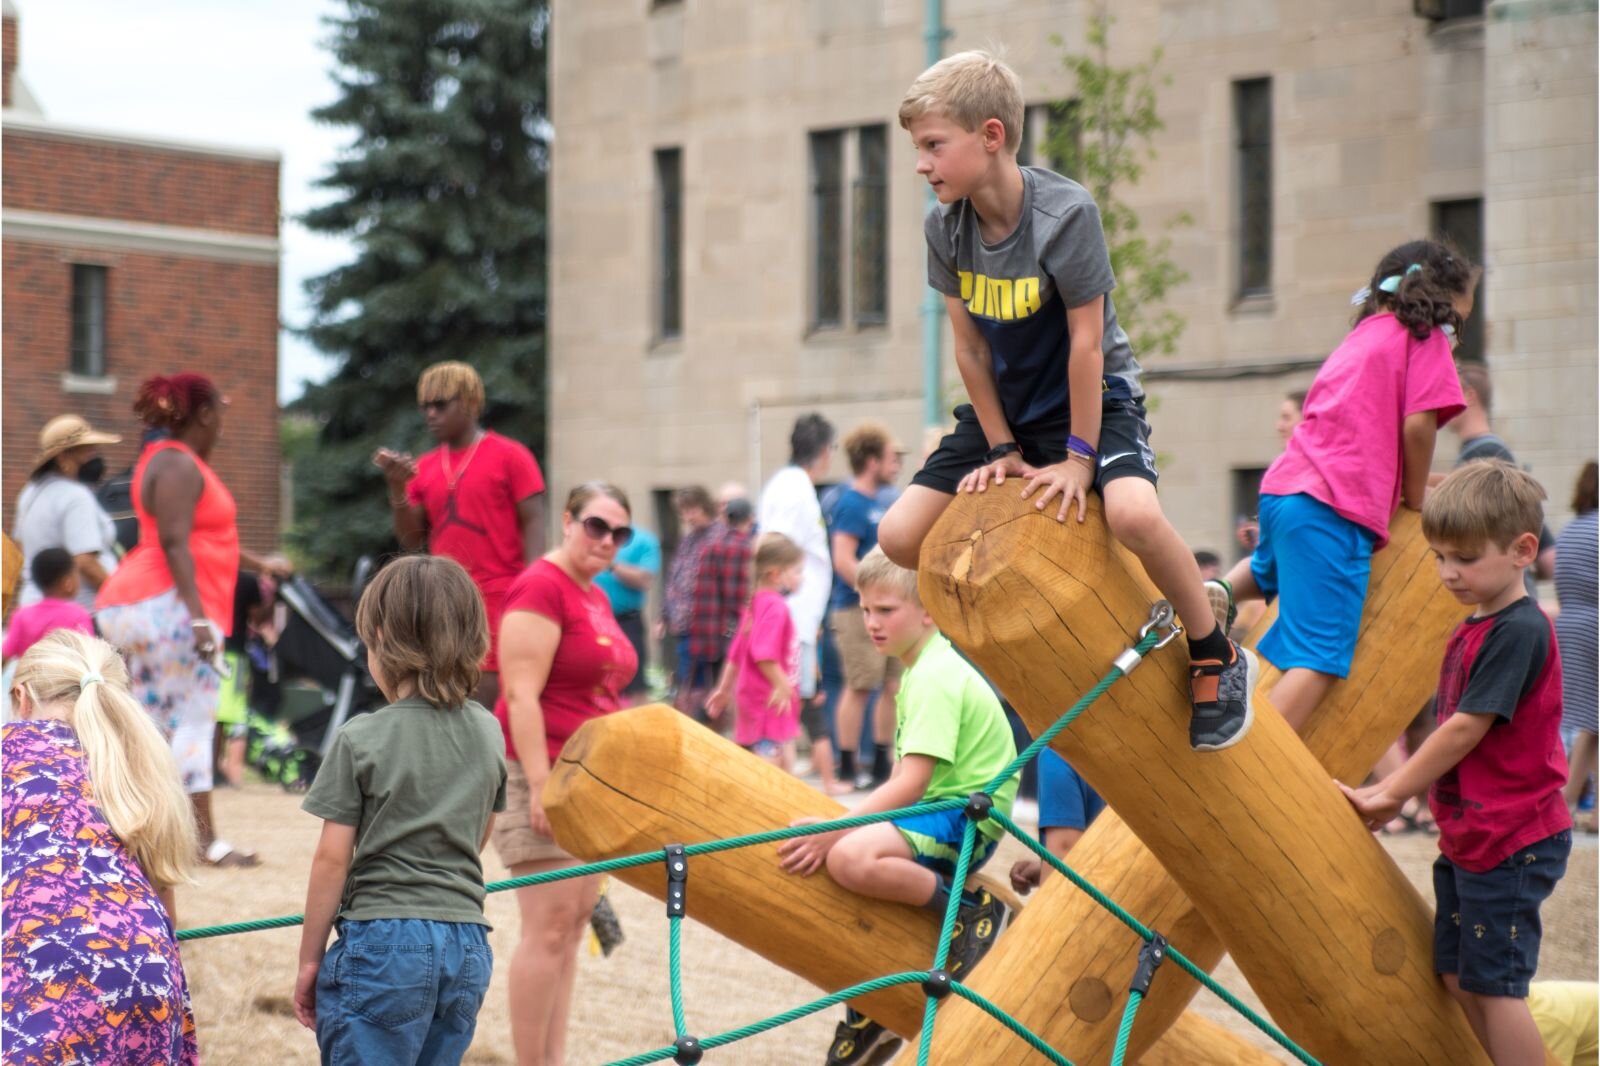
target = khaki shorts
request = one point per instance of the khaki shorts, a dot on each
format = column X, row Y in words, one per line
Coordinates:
column 865, row 667
column 515, row 841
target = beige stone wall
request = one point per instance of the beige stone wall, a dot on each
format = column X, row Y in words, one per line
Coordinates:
column 1376, row 113
column 1540, row 187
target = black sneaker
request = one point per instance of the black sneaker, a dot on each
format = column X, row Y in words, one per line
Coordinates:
column 860, row 1041
column 1222, row 694
column 978, row 926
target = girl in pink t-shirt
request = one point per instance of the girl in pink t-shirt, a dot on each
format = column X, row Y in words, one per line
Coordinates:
column 762, row 674
column 1362, row 450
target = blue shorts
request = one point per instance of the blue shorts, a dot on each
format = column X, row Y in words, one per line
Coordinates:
column 1486, row 930
column 1319, row 563
column 935, row 841
column 1065, row 800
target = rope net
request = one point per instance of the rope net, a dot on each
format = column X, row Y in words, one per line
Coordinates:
column 936, row 983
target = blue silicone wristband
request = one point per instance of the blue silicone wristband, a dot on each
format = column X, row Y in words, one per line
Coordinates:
column 1081, row 447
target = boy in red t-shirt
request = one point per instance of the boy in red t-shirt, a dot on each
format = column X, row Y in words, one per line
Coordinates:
column 1495, row 763
column 477, row 498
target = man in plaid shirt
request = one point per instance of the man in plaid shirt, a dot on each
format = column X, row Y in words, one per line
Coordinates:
column 721, row 589
column 696, row 512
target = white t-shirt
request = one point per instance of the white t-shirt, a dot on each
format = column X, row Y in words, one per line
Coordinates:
column 57, row 512
column 789, row 506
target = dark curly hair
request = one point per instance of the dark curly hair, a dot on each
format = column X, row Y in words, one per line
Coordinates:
column 172, row 402
column 1426, row 298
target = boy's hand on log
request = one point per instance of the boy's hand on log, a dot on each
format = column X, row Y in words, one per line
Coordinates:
column 805, row 855
column 1071, row 479
column 1025, row 875
column 997, row 472
column 1375, row 806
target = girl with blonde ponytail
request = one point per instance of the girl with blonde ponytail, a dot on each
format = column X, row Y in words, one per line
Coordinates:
column 97, row 831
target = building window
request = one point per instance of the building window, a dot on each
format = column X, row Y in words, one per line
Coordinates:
column 88, row 321
column 1043, row 144
column 870, row 226
column 1252, row 120
column 1461, row 223
column 850, row 251
column 1246, row 508
column 827, row 228
column 669, row 243
column 1441, row 10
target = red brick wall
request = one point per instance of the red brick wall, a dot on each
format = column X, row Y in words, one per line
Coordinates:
column 163, row 314
column 8, row 53
column 138, row 184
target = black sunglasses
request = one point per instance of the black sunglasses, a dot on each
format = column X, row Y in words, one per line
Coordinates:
column 435, row 405
column 599, row 530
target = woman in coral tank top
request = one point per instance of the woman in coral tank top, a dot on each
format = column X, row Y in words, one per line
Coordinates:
column 170, row 604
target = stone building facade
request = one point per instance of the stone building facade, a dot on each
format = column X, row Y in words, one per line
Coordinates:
column 737, row 224
column 127, row 256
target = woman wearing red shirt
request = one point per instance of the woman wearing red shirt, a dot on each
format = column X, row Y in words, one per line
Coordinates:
column 563, row 660
column 169, row 604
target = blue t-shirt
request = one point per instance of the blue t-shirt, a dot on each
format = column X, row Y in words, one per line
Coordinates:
column 643, row 551
column 857, row 516
column 1065, row 800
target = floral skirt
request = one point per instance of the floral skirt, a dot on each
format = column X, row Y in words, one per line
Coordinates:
column 179, row 689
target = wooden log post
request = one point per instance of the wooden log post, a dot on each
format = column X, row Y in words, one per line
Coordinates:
column 640, row 779
column 635, row 781
column 1330, row 934
column 1083, row 956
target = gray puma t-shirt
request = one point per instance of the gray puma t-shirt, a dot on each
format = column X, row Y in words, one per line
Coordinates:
column 1018, row 292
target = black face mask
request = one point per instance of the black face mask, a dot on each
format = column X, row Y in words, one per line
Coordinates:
column 92, row 471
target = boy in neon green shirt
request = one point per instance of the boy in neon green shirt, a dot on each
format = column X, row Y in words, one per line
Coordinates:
column 951, row 740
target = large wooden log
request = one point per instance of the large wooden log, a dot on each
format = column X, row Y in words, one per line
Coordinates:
column 1331, row 935
column 635, row 781
column 1083, row 957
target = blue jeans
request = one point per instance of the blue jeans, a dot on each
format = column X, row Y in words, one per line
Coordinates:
column 401, row 991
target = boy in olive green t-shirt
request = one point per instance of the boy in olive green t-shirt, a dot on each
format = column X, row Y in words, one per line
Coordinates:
column 407, row 797
column 951, row 740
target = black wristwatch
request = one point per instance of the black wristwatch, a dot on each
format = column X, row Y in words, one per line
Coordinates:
column 1000, row 451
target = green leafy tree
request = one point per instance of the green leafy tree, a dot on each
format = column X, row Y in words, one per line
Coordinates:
column 442, row 191
column 1101, row 139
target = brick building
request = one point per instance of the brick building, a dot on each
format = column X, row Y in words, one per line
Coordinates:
column 126, row 256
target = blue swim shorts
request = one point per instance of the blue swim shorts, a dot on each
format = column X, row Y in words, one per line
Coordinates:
column 935, row 841
column 1316, row 562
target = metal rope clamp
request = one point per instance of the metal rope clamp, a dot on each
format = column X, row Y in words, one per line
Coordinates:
column 1150, row 956
column 677, row 880
column 1162, row 617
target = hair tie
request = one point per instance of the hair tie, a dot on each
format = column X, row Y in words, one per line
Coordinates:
column 1391, row 284
column 1360, row 296
column 90, row 678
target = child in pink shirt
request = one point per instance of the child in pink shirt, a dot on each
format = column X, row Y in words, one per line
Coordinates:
column 54, row 572
column 763, row 668
column 1362, row 450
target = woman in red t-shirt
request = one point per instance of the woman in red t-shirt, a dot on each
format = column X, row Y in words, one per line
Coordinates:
column 563, row 660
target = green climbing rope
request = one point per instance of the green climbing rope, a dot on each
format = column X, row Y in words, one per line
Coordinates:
column 1119, row 1053
column 936, row 983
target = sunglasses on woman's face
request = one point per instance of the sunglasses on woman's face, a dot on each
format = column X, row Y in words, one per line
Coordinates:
column 429, row 406
column 599, row 530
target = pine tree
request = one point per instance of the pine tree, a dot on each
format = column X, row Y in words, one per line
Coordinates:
column 1101, row 139
column 442, row 191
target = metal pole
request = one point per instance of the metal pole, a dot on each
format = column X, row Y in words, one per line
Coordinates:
column 932, row 324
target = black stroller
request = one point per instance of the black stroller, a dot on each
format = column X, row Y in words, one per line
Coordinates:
column 308, row 684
